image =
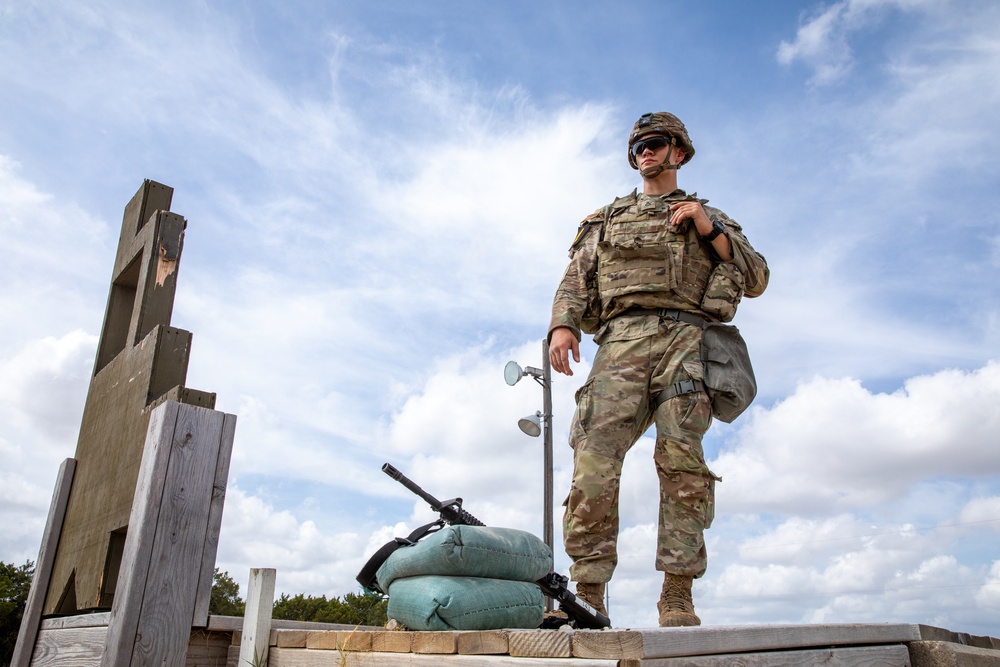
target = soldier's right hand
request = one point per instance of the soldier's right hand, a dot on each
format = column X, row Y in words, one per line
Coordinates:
column 560, row 345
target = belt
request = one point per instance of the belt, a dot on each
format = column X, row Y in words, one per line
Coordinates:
column 685, row 316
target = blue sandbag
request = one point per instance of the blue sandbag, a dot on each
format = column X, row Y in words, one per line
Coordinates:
column 465, row 603
column 470, row 551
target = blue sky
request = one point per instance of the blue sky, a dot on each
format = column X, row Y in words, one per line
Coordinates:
column 379, row 200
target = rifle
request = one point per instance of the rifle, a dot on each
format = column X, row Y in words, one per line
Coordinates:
column 554, row 585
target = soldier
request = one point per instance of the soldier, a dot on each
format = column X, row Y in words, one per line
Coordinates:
column 645, row 273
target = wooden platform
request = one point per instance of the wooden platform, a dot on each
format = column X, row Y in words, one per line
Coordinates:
column 80, row 641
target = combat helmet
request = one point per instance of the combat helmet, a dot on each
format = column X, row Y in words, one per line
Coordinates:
column 667, row 124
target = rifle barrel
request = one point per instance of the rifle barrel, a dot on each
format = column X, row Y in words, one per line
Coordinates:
column 391, row 471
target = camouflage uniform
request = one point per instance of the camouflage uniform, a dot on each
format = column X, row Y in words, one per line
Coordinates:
column 626, row 261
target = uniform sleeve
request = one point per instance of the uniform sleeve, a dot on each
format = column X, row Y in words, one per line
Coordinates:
column 750, row 263
column 570, row 302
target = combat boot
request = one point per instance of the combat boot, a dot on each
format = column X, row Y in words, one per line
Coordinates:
column 592, row 594
column 676, row 606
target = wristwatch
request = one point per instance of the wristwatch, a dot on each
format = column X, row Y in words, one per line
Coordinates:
column 717, row 228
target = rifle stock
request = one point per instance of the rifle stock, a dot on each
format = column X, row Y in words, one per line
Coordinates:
column 555, row 585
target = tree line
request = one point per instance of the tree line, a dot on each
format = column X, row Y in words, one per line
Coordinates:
column 351, row 609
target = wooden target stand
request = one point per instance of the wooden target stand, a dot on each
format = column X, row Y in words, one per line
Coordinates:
column 135, row 516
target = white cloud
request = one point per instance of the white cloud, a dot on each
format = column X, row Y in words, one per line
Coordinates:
column 822, row 41
column 869, row 447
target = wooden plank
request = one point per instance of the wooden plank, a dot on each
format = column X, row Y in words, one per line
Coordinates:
column 434, row 642
column 483, row 642
column 77, row 621
column 676, row 642
column 541, row 643
column 295, row 657
column 607, row 644
column 354, row 640
column 869, row 656
column 290, row 638
column 233, row 623
column 322, row 639
column 124, row 621
column 171, row 585
column 204, row 595
column 948, row 654
column 257, row 622
column 395, row 641
column 32, row 617
column 151, row 616
column 72, row 647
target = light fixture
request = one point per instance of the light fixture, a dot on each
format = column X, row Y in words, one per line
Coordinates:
column 531, row 425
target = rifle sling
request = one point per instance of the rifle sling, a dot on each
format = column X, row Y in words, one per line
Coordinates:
column 366, row 577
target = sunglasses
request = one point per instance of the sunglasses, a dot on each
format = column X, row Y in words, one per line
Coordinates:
column 653, row 143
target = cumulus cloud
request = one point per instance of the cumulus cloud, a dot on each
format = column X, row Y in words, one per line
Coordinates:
column 833, row 445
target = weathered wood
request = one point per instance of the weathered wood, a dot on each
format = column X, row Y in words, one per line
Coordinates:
column 870, row 656
column 77, row 621
column 211, row 545
column 675, row 642
column 483, row 642
column 151, row 617
column 71, row 647
column 292, row 657
column 541, row 643
column 179, row 540
column 32, row 617
column 948, row 654
column 257, row 622
column 607, row 644
column 139, row 360
column 124, row 620
column 434, row 642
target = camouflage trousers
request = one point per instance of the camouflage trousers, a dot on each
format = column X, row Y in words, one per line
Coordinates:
column 614, row 409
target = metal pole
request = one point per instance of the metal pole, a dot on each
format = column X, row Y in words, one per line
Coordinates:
column 547, row 435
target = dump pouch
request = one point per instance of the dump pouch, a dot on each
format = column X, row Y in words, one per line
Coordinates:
column 729, row 377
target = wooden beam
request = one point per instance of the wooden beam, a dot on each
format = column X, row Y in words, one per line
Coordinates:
column 542, row 643
column 203, row 597
column 72, row 647
column 677, row 642
column 257, row 622
column 32, row 617
column 869, row 656
column 294, row 657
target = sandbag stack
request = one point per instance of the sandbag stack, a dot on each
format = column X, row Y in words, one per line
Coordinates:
column 467, row 578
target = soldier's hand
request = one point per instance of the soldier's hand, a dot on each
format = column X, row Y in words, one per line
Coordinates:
column 562, row 343
column 691, row 209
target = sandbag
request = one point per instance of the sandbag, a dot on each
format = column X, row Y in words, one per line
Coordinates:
column 470, row 551
column 465, row 603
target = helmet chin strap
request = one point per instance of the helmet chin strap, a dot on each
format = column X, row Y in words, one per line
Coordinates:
column 657, row 169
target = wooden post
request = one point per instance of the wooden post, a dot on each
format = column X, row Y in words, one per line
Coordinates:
column 32, row 618
column 167, row 545
column 257, row 618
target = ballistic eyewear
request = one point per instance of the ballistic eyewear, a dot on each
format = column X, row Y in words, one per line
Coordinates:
column 652, row 143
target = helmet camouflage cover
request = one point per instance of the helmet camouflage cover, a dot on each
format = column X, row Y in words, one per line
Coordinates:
column 663, row 123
